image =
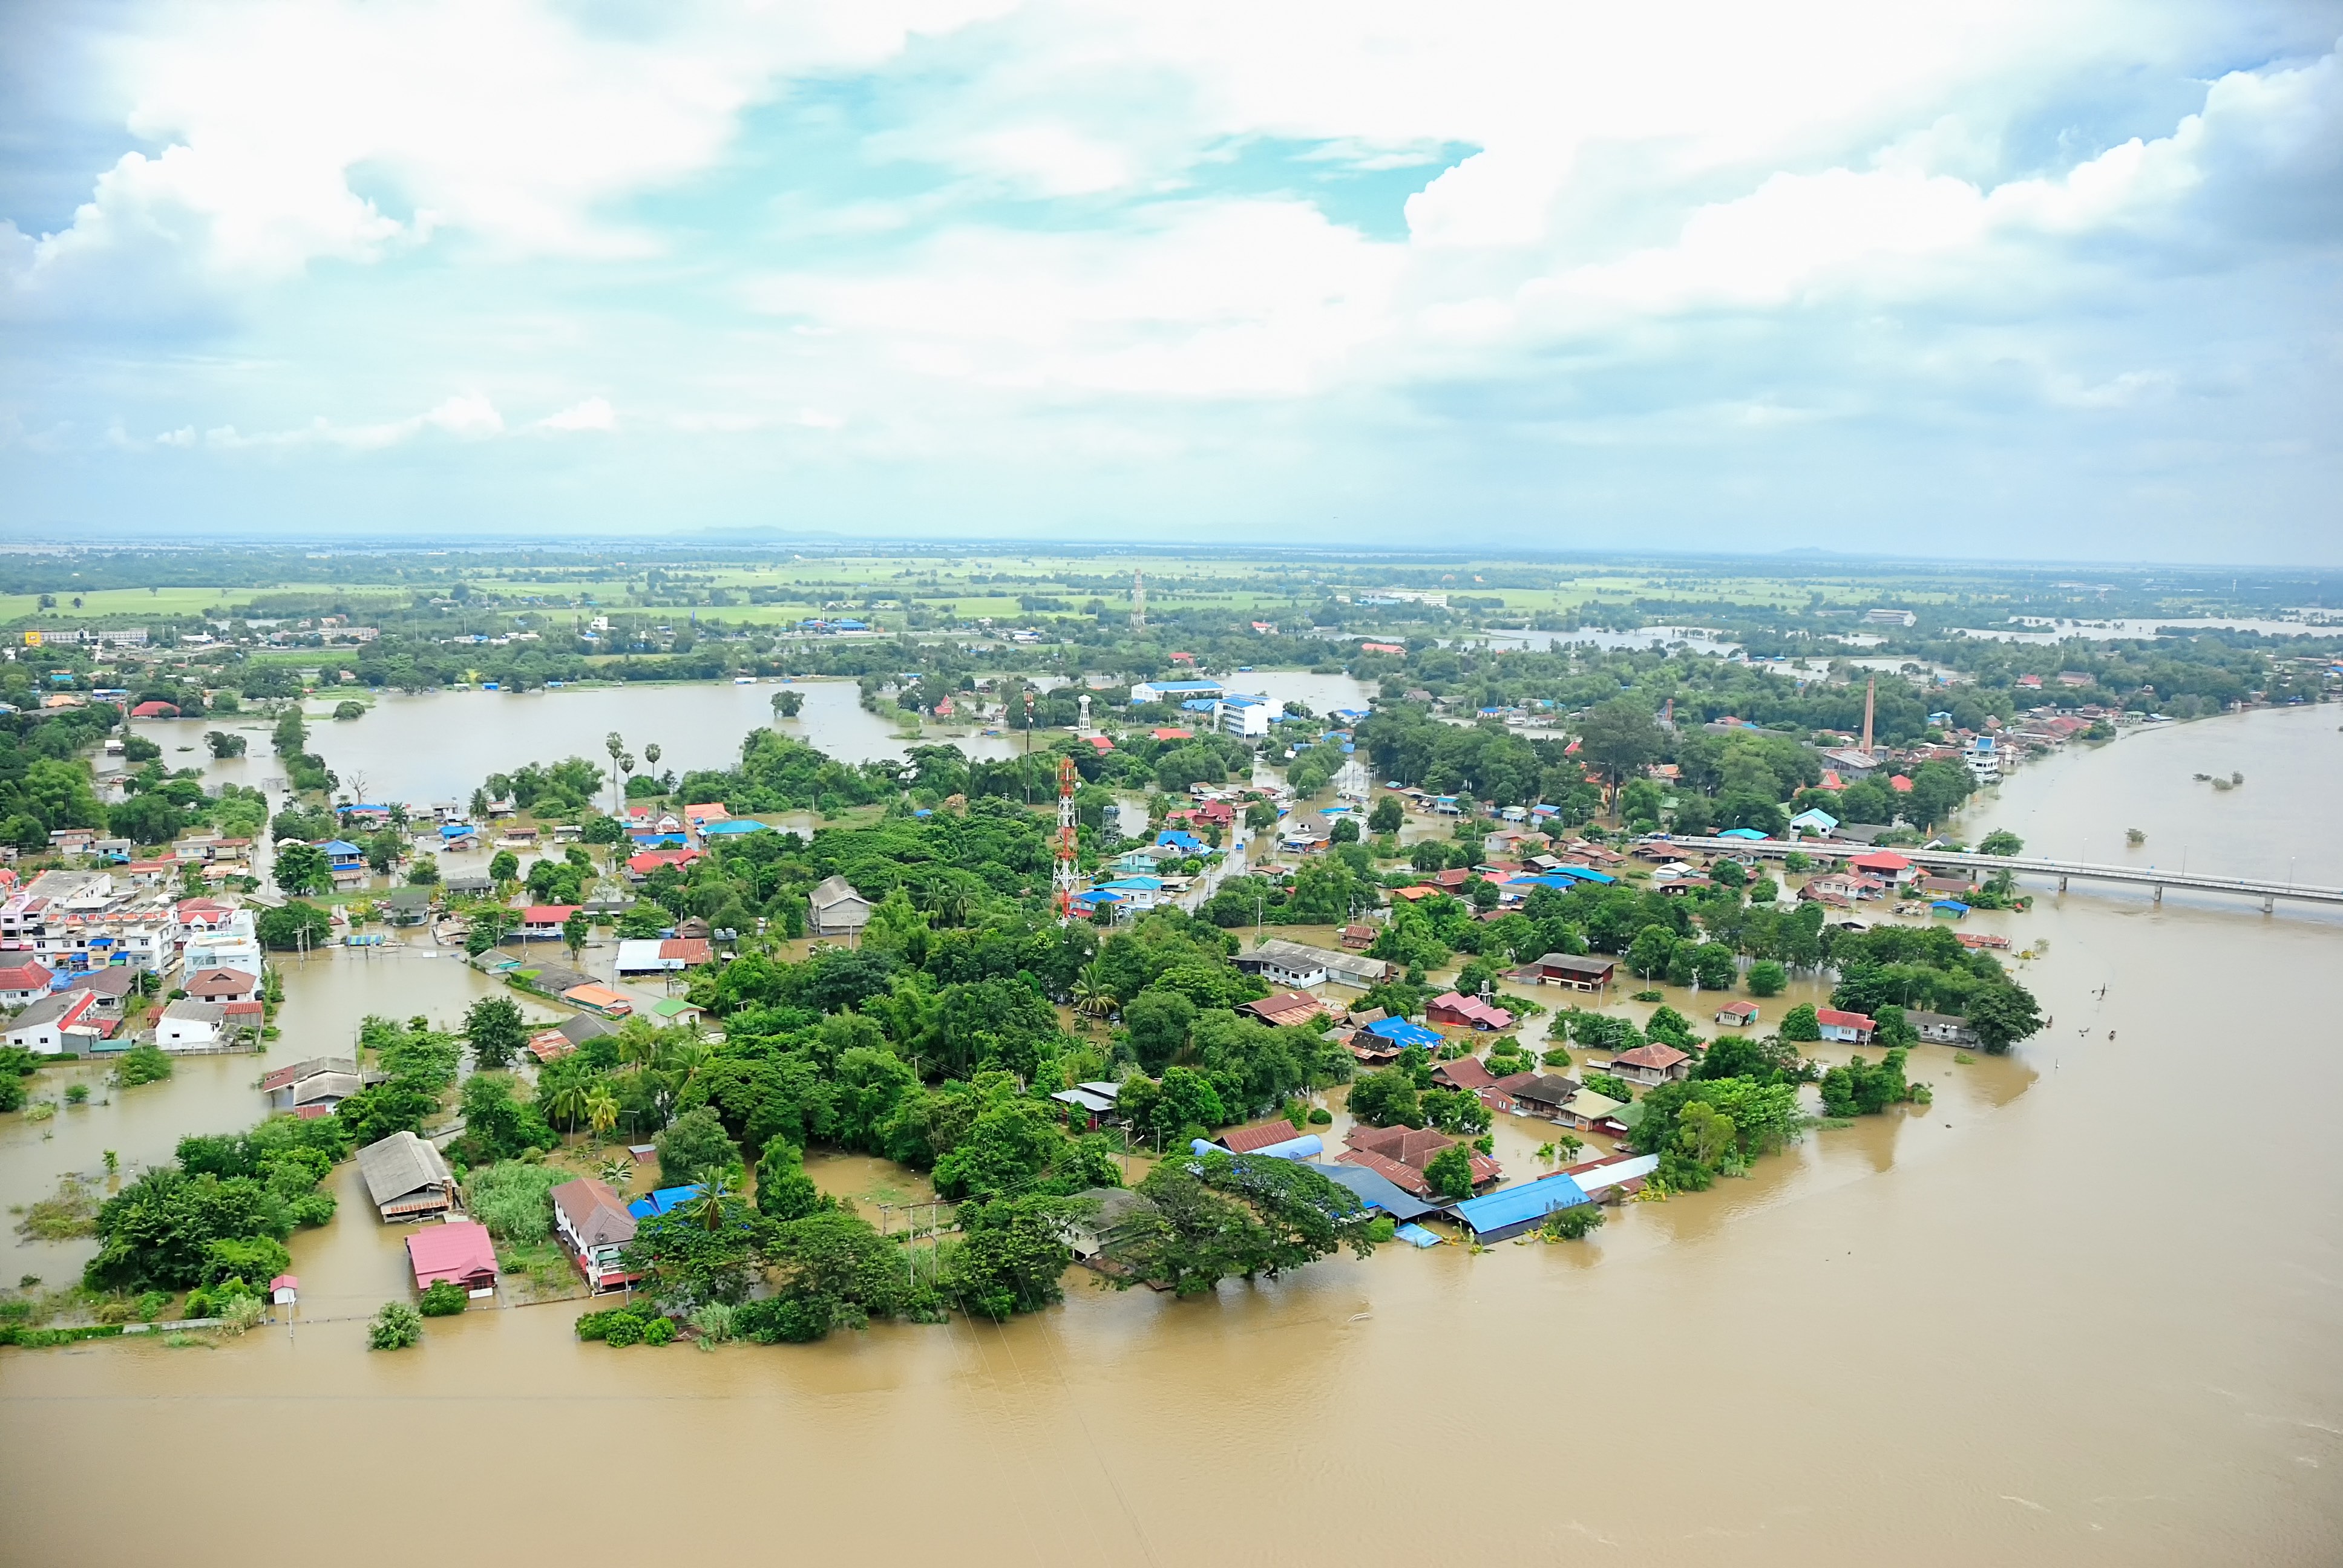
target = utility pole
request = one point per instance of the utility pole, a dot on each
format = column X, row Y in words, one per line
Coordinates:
column 1138, row 602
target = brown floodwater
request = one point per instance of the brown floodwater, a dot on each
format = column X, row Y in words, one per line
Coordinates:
column 2083, row 1309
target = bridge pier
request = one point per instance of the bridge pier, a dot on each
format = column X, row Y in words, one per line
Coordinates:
column 2062, row 884
column 2269, row 904
column 2159, row 893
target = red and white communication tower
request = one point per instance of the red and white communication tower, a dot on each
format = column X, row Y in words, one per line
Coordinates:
column 1063, row 878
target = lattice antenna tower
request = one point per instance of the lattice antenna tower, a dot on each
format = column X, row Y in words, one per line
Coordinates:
column 1138, row 602
column 1062, row 878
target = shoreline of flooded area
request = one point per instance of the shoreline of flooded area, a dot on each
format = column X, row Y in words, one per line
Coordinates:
column 2064, row 1314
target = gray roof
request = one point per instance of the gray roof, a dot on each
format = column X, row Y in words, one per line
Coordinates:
column 1587, row 964
column 335, row 1086
column 114, row 981
column 582, row 1027
column 1546, row 1088
column 195, row 1011
column 1376, row 1190
column 833, row 890
column 48, row 1010
column 401, row 1164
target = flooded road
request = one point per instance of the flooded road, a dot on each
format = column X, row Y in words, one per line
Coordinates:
column 2085, row 1310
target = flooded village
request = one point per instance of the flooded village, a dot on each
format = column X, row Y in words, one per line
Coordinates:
column 1008, row 1090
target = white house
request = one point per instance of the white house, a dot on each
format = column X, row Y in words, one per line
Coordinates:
column 54, row 1024
column 190, row 1025
column 23, row 982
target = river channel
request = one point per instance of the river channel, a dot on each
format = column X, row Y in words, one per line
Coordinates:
column 2085, row 1310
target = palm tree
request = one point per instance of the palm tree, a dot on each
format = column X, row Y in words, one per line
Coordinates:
column 708, row 1207
column 1091, row 999
column 616, row 746
column 639, row 1047
column 651, row 754
column 398, row 814
column 601, row 1111
column 618, row 1173
column 570, row 1103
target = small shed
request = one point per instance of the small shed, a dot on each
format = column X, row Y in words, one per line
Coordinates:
column 1737, row 1014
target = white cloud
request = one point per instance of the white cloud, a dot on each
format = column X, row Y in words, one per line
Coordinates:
column 593, row 414
column 466, row 415
column 1116, row 234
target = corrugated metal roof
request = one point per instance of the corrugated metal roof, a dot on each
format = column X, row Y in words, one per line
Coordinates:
column 1517, row 1205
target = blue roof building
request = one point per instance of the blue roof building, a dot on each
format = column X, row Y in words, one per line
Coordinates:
column 1377, row 1191
column 1510, row 1212
column 733, row 826
column 1741, row 833
column 1186, row 843
column 1398, row 1031
column 1814, row 820
column 665, row 1200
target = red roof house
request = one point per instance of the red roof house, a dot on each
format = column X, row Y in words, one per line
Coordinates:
column 1852, row 1026
column 1284, row 1008
column 26, row 982
column 156, row 709
column 649, row 860
column 1883, row 862
column 222, row 985
column 545, row 919
column 1257, row 1135
column 1456, row 1010
column 1464, row 1072
column 458, row 1250
column 1652, row 1064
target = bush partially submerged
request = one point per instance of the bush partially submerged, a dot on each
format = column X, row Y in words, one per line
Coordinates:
column 397, row 1327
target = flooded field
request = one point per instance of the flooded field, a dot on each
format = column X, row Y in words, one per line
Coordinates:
column 439, row 746
column 2079, row 1310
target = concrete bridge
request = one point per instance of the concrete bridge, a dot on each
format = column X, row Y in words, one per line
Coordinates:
column 2269, row 890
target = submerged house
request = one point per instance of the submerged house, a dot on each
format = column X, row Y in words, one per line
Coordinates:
column 458, row 1251
column 593, row 1223
column 407, row 1178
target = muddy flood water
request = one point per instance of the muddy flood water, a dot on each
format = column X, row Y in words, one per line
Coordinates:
column 2085, row 1310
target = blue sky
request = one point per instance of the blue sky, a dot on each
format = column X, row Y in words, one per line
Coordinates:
column 1994, row 279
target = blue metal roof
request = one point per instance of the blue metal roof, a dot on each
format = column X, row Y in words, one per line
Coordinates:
column 1402, row 1033
column 665, row 1200
column 1519, row 1207
column 1741, row 833
column 1377, row 1191
column 340, row 847
column 733, row 824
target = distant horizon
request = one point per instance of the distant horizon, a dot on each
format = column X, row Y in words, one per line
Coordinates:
column 2019, row 283
column 737, row 540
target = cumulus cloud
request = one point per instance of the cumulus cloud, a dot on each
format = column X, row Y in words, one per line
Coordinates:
column 593, row 414
column 466, row 415
column 1117, row 233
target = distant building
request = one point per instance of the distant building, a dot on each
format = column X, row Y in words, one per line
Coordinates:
column 835, row 909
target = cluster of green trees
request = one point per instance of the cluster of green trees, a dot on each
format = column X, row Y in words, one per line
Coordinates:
column 220, row 1212
column 1888, row 968
column 420, row 1064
